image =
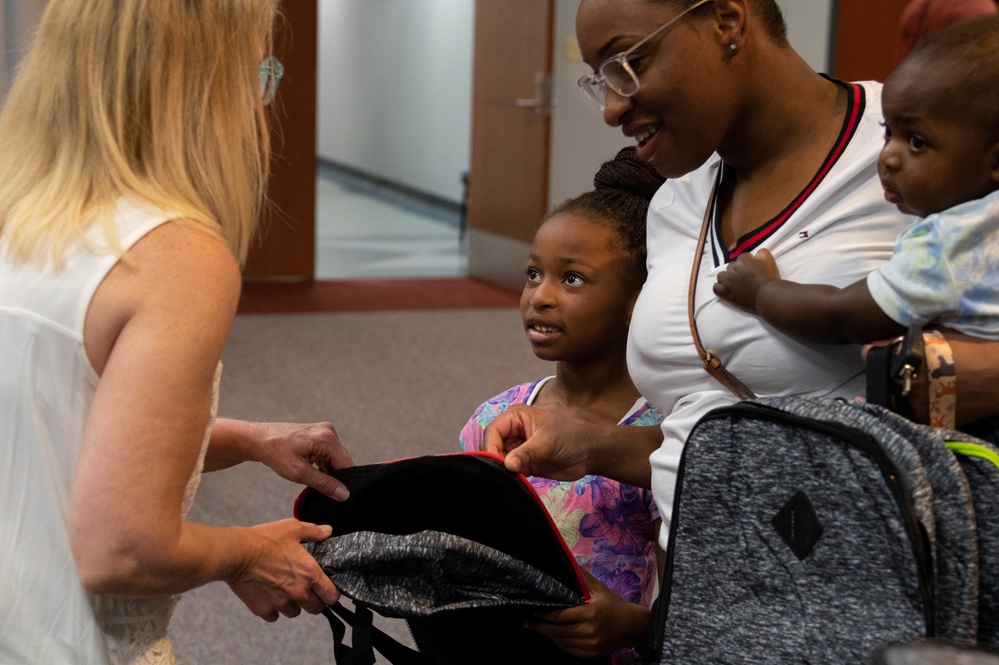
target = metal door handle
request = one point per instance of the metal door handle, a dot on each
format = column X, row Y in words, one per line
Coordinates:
column 542, row 101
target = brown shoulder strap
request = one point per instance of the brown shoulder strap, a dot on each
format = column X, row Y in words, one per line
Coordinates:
column 712, row 363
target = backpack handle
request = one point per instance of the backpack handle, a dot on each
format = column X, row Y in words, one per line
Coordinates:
column 366, row 639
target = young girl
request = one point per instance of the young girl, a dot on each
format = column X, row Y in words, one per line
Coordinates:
column 586, row 268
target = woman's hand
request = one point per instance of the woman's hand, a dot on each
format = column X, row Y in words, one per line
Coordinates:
column 537, row 442
column 303, row 453
column 278, row 576
column 595, row 630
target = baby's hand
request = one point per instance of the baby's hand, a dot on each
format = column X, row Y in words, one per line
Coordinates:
column 744, row 278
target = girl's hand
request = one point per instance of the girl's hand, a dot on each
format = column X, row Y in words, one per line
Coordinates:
column 595, row 630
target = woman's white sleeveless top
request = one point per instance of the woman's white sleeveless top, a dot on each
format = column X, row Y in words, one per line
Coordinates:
column 46, row 388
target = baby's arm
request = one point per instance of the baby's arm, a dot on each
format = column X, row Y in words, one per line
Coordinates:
column 816, row 312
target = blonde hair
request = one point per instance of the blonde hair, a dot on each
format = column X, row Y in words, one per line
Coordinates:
column 158, row 100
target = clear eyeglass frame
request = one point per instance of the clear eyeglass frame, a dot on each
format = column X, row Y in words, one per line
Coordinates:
column 271, row 72
column 616, row 72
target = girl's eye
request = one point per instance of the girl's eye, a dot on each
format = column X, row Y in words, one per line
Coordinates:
column 916, row 143
column 532, row 274
column 887, row 130
column 572, row 279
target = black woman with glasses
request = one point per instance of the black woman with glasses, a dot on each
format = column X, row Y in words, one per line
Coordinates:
column 760, row 152
column 135, row 163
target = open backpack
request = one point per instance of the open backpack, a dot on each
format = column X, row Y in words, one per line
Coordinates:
column 458, row 546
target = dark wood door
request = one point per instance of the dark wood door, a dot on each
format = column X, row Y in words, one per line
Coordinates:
column 865, row 38
column 285, row 246
column 508, row 173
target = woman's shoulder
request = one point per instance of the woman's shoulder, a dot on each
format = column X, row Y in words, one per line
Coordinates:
column 174, row 276
column 178, row 254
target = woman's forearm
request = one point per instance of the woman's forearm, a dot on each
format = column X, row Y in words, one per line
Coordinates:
column 977, row 364
column 622, row 453
column 232, row 442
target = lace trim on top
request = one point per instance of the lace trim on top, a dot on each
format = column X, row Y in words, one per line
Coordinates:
column 135, row 629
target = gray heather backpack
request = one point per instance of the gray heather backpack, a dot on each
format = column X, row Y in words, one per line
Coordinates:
column 817, row 531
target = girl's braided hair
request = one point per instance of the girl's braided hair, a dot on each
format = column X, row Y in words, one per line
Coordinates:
column 623, row 188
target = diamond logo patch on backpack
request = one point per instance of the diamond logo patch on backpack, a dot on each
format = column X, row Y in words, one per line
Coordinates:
column 798, row 525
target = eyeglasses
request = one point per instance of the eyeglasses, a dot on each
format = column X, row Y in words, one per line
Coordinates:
column 271, row 71
column 616, row 71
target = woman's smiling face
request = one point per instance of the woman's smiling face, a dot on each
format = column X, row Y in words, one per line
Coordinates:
column 679, row 114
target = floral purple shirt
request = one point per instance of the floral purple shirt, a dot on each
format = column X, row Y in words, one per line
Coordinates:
column 608, row 525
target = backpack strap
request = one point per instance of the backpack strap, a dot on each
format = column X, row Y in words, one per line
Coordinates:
column 365, row 639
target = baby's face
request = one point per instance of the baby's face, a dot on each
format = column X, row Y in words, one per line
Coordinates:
column 931, row 161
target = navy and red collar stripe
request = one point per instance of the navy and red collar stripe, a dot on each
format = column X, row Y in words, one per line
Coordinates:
column 856, row 102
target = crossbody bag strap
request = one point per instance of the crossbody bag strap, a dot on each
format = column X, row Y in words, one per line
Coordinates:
column 712, row 363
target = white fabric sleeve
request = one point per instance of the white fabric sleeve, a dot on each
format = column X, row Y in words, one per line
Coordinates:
column 666, row 460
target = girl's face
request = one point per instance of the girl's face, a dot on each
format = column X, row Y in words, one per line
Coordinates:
column 580, row 290
column 679, row 114
column 931, row 162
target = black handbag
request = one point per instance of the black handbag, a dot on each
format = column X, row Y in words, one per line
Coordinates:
column 458, row 546
column 891, row 370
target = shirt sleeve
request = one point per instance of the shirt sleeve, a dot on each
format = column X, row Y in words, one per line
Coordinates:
column 470, row 437
column 471, row 434
column 917, row 284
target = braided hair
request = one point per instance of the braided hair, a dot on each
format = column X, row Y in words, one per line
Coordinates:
column 623, row 188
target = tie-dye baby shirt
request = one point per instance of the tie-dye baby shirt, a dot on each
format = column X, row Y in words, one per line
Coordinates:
column 945, row 269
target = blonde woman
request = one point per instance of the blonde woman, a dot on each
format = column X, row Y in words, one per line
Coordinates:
column 134, row 162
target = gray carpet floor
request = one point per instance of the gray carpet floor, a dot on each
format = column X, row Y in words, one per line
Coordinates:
column 395, row 384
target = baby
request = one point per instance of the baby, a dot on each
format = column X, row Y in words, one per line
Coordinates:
column 940, row 162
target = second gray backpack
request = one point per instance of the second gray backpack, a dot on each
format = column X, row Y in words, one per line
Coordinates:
column 817, row 531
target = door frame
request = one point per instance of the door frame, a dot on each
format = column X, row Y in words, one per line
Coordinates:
column 285, row 245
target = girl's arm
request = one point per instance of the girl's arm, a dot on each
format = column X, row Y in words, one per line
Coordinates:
column 155, row 332
column 816, row 312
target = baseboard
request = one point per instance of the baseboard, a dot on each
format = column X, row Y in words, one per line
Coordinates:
column 395, row 192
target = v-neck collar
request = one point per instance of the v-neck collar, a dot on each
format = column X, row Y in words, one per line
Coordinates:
column 856, row 103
